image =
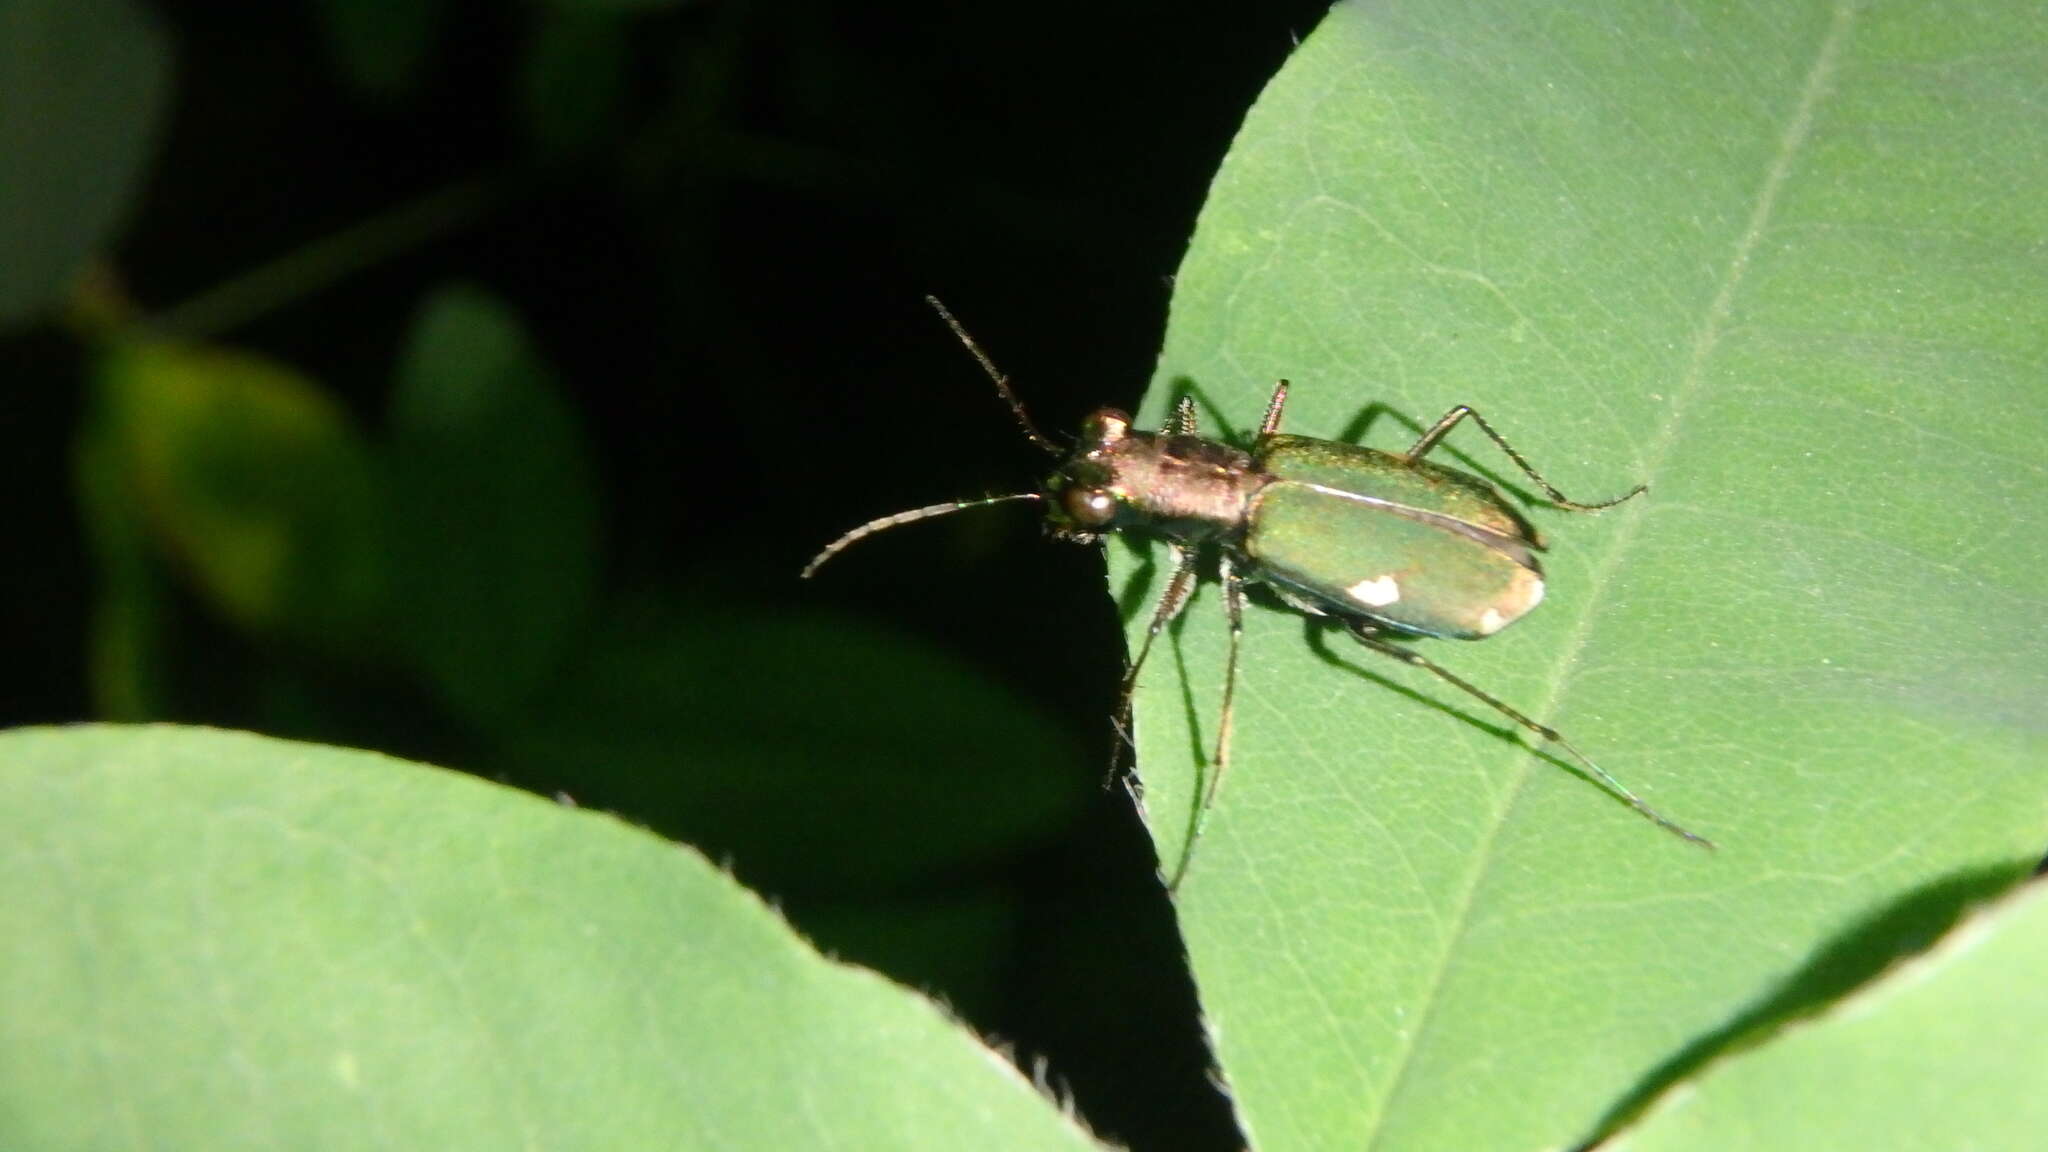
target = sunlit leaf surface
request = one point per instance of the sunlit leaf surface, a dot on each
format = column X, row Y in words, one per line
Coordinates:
column 215, row 940
column 1784, row 263
column 1943, row 1053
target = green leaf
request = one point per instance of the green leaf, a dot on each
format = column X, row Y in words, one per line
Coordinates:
column 380, row 45
column 216, row 940
column 494, row 506
column 572, row 78
column 126, row 639
column 628, row 6
column 1784, row 263
column 1946, row 1052
column 252, row 481
column 82, row 88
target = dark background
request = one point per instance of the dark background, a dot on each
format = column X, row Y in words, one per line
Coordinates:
column 715, row 223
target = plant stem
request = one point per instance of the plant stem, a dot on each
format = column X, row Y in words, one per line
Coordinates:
column 322, row 263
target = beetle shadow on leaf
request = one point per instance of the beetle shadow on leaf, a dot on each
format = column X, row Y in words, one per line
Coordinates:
column 1865, row 951
column 1360, row 426
column 1197, row 746
column 1136, row 594
column 1135, row 601
column 1319, row 632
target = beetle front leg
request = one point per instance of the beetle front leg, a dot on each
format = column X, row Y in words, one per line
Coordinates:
column 1180, row 587
column 1233, row 609
column 1450, row 421
column 1375, row 638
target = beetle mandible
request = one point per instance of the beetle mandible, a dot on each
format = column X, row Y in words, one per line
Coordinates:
column 1389, row 546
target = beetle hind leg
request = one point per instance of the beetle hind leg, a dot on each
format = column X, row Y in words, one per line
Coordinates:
column 1450, row 420
column 1375, row 638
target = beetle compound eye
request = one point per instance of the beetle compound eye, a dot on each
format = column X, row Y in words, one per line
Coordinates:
column 1089, row 507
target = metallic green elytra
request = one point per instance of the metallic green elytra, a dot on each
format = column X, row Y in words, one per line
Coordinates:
column 1390, row 546
column 1415, row 547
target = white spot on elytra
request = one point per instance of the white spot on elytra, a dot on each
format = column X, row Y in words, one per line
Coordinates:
column 1491, row 621
column 1375, row 593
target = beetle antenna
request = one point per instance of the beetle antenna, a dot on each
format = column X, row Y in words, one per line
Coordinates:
column 1002, row 382
column 885, row 522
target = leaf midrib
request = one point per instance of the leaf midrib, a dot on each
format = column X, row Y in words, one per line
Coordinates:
column 1705, row 340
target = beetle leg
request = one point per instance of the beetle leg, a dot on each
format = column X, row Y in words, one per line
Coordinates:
column 1374, row 638
column 1233, row 608
column 1182, row 422
column 1271, row 423
column 1450, row 421
column 1179, row 588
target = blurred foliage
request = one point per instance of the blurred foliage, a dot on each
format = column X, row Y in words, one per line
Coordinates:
column 493, row 508
column 572, row 81
column 811, row 750
column 469, row 381
column 380, row 46
column 250, row 481
column 82, row 88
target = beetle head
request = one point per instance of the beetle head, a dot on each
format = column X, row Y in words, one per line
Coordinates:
column 1085, row 498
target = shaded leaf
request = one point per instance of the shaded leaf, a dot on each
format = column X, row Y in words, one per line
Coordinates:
column 82, row 87
column 125, row 641
column 494, row 507
column 807, row 749
column 252, row 480
column 571, row 78
column 1947, row 1052
column 955, row 948
column 613, row 5
column 380, row 45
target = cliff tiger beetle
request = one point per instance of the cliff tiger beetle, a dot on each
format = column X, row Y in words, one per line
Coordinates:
column 1390, row 547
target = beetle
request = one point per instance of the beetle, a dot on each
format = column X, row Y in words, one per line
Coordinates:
column 1391, row 547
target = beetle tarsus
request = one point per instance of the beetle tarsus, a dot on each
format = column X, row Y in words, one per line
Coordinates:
column 1271, row 423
